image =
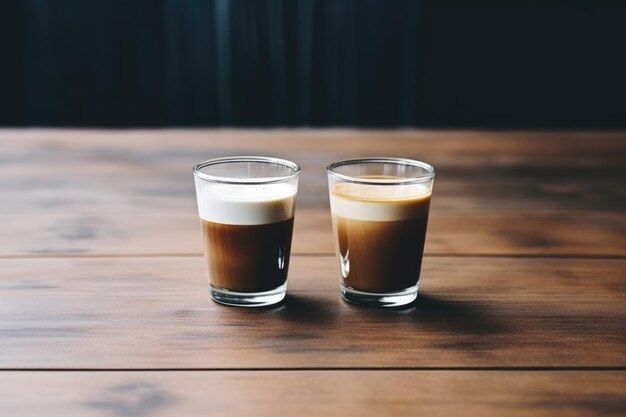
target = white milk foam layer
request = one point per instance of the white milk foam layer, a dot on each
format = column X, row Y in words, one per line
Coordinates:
column 379, row 203
column 245, row 204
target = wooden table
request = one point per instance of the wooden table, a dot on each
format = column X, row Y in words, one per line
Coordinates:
column 104, row 308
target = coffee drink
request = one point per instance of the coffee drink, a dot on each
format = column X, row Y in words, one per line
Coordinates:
column 380, row 232
column 247, row 233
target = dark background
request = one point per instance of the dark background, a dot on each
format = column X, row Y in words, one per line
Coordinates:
column 544, row 64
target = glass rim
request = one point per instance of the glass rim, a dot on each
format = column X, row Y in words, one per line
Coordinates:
column 259, row 180
column 429, row 175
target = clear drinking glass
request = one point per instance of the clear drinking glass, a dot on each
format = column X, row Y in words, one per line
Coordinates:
column 379, row 212
column 246, row 206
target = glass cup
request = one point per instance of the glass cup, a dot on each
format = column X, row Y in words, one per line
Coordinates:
column 379, row 212
column 246, row 206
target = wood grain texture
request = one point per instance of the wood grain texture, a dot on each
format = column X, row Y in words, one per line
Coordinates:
column 538, row 222
column 91, row 232
column 155, row 312
column 313, row 393
column 150, row 171
column 130, row 192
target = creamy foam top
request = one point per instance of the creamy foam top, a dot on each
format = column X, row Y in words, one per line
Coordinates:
column 245, row 204
column 379, row 202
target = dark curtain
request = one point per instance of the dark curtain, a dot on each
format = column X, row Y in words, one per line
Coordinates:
column 313, row 63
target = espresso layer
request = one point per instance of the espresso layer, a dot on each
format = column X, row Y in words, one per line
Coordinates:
column 247, row 258
column 380, row 256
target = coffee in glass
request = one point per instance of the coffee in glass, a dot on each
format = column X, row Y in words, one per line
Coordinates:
column 246, row 206
column 380, row 211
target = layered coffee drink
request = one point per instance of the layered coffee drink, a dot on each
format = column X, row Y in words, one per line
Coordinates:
column 246, row 206
column 247, row 236
column 380, row 233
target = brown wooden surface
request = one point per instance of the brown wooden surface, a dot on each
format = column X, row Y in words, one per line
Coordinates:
column 314, row 393
column 563, row 233
column 135, row 171
column 154, row 312
column 521, row 311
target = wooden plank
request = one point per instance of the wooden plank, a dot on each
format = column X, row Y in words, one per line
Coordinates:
column 150, row 171
column 564, row 233
column 313, row 393
column 452, row 143
column 154, row 312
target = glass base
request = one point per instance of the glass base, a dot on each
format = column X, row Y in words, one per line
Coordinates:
column 248, row 299
column 370, row 299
